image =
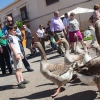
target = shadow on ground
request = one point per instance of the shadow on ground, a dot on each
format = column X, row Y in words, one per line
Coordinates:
column 45, row 84
column 76, row 82
column 85, row 95
column 57, row 56
column 48, row 52
column 7, row 87
column 38, row 95
column 5, row 75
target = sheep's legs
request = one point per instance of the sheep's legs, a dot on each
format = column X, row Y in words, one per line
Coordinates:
column 57, row 91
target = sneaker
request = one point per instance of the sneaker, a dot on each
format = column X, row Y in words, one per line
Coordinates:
column 30, row 69
column 25, row 81
column 21, row 86
column 33, row 53
column 62, row 54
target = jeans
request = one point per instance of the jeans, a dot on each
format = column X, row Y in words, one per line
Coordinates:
column 25, row 62
column 54, row 46
column 5, row 57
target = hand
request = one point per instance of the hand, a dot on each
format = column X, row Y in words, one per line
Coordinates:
column 17, row 57
column 65, row 33
column 22, row 56
column 1, row 50
column 75, row 35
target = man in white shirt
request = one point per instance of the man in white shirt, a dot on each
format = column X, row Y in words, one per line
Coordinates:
column 65, row 20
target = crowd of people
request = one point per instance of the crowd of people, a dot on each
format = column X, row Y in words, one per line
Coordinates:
column 11, row 43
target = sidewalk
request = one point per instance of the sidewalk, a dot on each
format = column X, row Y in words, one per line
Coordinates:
column 40, row 88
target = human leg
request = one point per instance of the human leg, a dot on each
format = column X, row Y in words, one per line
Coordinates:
column 25, row 62
column 7, row 58
column 58, row 36
column 72, row 47
column 2, row 64
column 42, row 42
column 18, row 75
column 61, row 45
column 19, row 78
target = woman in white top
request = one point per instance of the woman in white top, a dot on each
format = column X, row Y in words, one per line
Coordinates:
column 40, row 35
column 74, row 31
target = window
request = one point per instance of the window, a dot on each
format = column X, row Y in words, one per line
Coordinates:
column 24, row 13
column 49, row 2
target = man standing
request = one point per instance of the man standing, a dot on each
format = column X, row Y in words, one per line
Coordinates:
column 58, row 29
column 18, row 34
column 65, row 20
column 4, row 55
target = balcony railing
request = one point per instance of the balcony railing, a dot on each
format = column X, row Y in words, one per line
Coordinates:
column 21, row 17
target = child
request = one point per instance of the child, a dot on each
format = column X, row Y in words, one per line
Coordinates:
column 53, row 42
column 16, row 56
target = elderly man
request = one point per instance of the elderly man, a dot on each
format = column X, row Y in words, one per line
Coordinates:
column 18, row 34
column 58, row 29
column 4, row 54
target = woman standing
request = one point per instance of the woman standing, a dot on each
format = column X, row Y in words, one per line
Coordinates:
column 40, row 35
column 73, row 29
column 96, row 21
column 96, row 13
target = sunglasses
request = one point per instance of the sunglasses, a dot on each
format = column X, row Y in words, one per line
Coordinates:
column 13, row 30
column 9, row 21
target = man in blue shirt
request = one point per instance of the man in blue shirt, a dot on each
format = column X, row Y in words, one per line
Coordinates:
column 18, row 34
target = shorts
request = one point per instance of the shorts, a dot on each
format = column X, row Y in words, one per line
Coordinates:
column 17, row 63
column 72, row 38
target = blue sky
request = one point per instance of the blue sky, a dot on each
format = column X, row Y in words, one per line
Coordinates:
column 4, row 3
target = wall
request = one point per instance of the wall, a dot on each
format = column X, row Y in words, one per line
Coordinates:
column 39, row 13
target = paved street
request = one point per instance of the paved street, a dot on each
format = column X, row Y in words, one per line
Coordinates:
column 40, row 88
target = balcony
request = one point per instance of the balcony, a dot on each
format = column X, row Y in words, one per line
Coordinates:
column 24, row 17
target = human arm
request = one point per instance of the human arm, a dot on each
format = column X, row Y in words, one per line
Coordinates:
column 97, row 13
column 18, row 32
column 5, row 34
column 13, row 50
column 65, row 32
column 22, row 56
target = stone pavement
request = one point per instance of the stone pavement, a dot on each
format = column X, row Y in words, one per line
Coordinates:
column 40, row 88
